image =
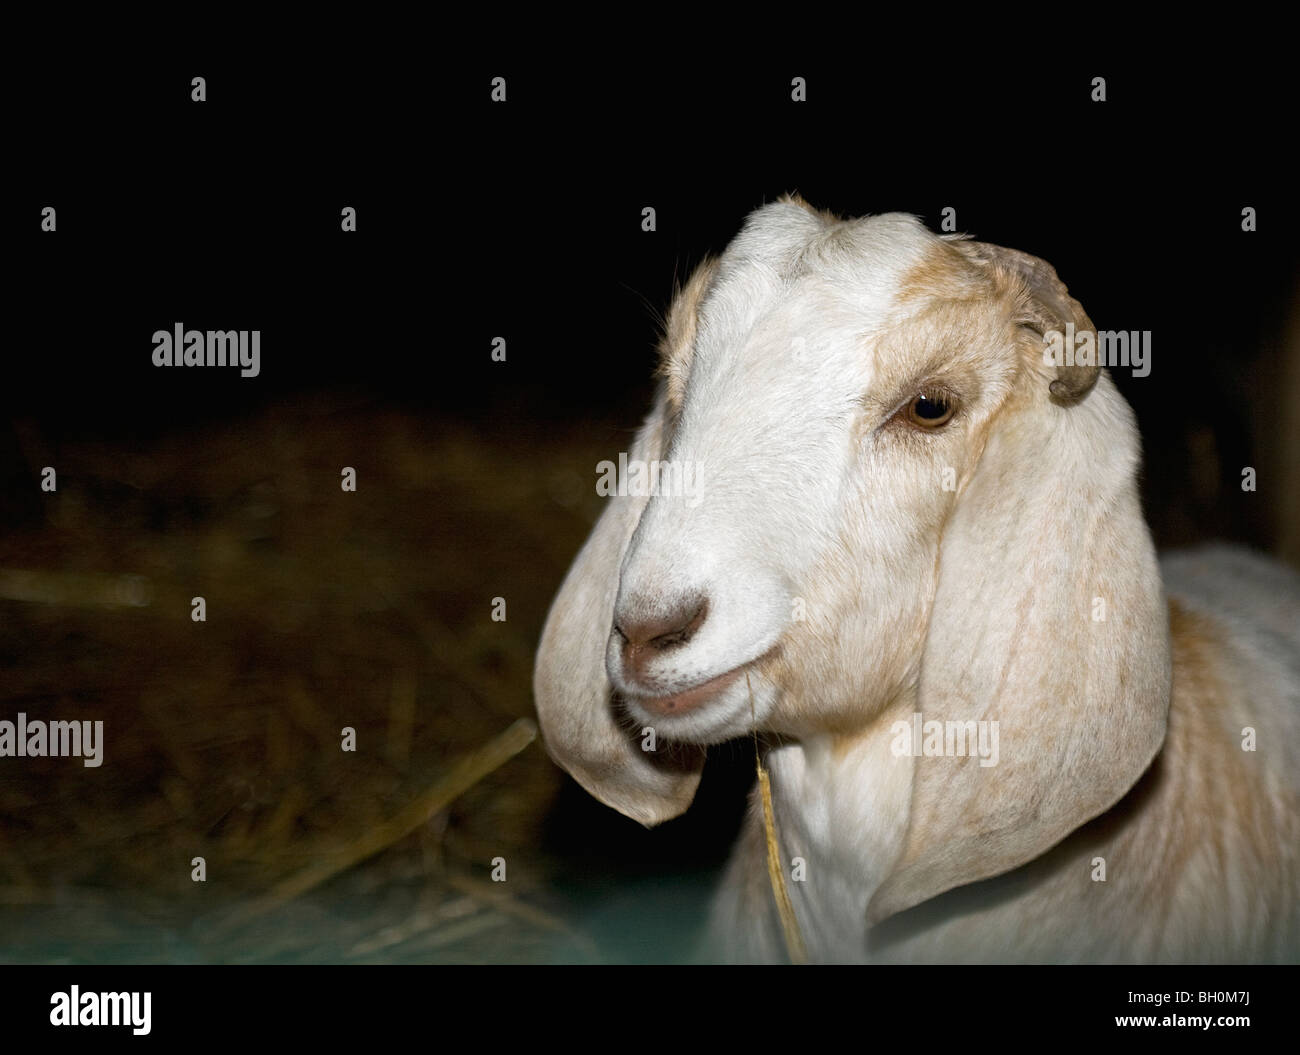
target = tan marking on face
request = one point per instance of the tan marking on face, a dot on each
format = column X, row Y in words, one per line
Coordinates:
column 951, row 274
column 678, row 341
column 944, row 273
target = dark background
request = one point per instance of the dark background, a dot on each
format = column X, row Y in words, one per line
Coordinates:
column 522, row 220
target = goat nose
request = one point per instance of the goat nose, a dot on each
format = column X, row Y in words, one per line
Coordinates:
column 645, row 636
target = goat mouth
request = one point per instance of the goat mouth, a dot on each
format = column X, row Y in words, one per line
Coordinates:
column 691, row 699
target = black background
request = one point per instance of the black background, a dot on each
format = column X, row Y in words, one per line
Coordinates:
column 523, row 220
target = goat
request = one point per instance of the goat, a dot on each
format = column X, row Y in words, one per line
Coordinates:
column 908, row 510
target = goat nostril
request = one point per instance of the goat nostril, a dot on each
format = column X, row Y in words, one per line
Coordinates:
column 659, row 633
column 683, row 633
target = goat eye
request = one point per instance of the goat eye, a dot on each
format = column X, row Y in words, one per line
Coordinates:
column 930, row 410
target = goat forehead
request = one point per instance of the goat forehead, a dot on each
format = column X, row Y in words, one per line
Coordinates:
column 792, row 269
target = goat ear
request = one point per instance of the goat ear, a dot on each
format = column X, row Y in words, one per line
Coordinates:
column 581, row 722
column 1049, row 619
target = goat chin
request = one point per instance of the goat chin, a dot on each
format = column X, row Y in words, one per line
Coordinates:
column 1007, row 731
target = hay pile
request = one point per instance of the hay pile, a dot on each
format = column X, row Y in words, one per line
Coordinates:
column 325, row 609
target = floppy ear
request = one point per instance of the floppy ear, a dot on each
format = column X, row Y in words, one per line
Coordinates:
column 1049, row 618
column 582, row 724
